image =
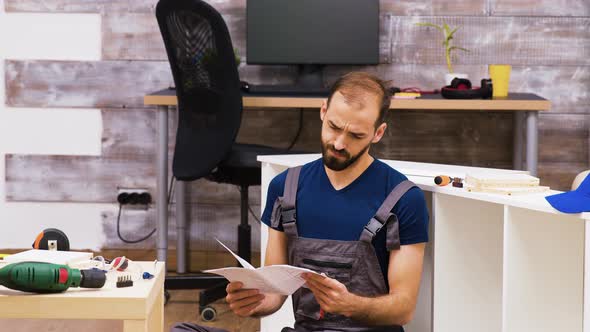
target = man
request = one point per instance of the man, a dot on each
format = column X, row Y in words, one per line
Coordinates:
column 349, row 216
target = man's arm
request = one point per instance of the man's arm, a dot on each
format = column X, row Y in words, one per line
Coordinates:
column 276, row 253
column 395, row 308
column 248, row 302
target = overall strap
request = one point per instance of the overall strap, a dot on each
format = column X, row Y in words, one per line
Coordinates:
column 384, row 216
column 288, row 201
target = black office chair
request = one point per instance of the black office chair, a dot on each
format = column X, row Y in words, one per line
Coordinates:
column 207, row 84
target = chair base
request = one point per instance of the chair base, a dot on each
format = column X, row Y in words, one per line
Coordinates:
column 244, row 241
column 214, row 285
column 212, row 294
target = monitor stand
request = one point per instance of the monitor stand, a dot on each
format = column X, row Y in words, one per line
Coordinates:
column 309, row 82
column 310, row 76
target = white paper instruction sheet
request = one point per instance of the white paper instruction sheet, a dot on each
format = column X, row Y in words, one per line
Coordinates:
column 274, row 279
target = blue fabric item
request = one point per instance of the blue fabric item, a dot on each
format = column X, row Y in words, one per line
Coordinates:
column 326, row 213
column 575, row 201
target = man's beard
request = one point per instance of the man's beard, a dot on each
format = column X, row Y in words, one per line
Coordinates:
column 336, row 164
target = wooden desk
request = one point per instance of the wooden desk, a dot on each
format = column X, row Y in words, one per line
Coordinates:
column 516, row 102
column 526, row 107
column 141, row 307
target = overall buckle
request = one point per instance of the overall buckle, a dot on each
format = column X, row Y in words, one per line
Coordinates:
column 374, row 226
column 288, row 216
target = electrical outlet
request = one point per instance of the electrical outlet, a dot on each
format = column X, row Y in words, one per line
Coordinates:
column 133, row 196
column 132, row 190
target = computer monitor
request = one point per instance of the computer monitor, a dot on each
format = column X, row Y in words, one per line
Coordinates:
column 312, row 33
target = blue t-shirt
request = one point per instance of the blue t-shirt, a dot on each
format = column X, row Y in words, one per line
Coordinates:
column 326, row 213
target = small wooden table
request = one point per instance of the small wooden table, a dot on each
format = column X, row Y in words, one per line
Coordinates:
column 526, row 107
column 141, row 307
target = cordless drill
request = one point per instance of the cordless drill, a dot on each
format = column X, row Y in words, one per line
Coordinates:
column 38, row 277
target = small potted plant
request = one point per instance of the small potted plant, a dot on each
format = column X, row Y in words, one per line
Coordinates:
column 448, row 33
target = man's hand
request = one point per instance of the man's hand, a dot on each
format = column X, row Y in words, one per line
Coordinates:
column 243, row 302
column 332, row 295
column 249, row 302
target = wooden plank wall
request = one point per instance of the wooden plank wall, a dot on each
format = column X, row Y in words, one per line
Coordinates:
column 546, row 41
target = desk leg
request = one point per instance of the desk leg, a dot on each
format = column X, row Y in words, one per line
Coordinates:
column 532, row 141
column 135, row 325
column 181, row 235
column 518, row 150
column 156, row 319
column 162, row 184
column 154, row 323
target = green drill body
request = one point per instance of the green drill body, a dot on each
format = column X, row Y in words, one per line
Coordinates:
column 38, row 277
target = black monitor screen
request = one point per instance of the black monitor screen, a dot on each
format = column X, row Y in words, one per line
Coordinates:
column 312, row 31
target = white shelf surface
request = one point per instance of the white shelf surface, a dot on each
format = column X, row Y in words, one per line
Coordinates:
column 423, row 175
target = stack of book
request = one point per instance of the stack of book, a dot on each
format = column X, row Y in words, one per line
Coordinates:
column 507, row 184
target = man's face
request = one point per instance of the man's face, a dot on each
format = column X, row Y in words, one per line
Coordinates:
column 348, row 129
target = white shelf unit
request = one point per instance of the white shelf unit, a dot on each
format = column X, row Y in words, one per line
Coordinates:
column 503, row 268
column 468, row 282
column 493, row 263
column 543, row 271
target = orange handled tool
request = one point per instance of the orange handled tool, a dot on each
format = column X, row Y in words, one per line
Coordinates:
column 442, row 180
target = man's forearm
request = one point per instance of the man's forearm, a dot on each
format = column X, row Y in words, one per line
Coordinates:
column 390, row 309
column 270, row 304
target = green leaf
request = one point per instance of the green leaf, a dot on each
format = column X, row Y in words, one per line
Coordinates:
column 447, row 30
column 446, row 42
column 459, row 48
column 453, row 32
column 430, row 25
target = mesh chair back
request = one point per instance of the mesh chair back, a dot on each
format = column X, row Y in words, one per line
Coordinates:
column 207, row 83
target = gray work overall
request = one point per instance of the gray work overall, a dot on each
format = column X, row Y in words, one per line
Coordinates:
column 353, row 263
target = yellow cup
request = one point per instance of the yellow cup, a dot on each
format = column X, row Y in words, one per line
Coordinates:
column 500, row 75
